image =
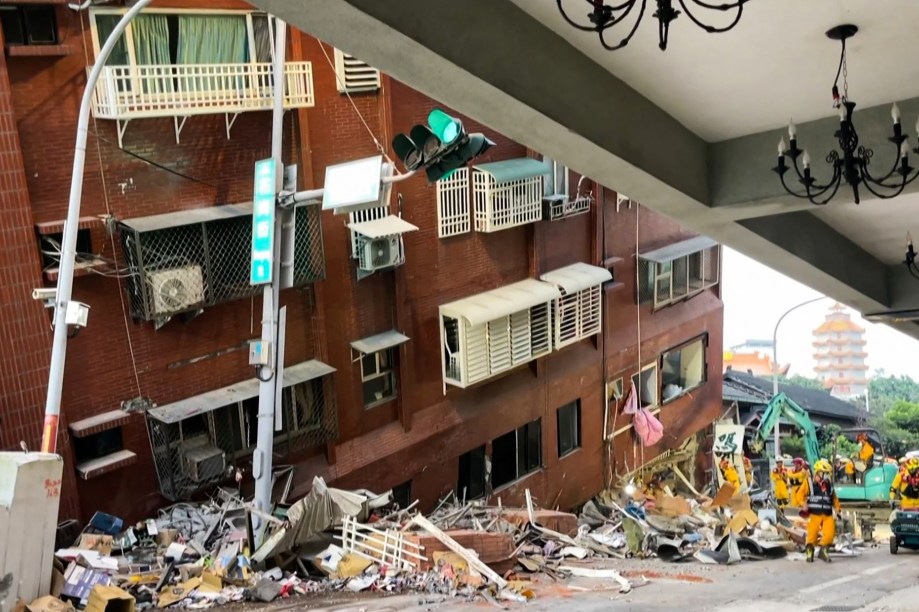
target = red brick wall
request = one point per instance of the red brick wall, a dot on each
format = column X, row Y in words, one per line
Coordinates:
column 421, row 433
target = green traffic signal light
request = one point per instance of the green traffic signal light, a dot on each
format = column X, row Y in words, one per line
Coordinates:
column 445, row 127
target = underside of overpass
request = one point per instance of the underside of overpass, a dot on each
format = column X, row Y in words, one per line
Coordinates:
column 690, row 132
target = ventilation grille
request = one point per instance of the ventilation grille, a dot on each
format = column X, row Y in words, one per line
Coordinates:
column 355, row 76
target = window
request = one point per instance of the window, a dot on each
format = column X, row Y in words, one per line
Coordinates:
column 453, row 213
column 471, row 481
column 569, row 427
column 378, row 377
column 402, row 494
column 646, row 385
column 355, row 76
column 614, row 390
column 507, row 193
column 28, row 25
column 50, row 245
column 556, row 182
column 516, row 453
column 98, row 445
column 683, row 369
column 678, row 271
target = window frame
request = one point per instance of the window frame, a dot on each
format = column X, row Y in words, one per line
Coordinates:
column 556, row 170
column 379, row 373
column 522, row 440
column 657, row 384
column 485, row 474
column 703, row 339
column 702, row 269
column 20, row 11
column 128, row 35
column 576, row 430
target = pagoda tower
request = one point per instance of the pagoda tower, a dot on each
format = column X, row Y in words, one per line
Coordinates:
column 839, row 349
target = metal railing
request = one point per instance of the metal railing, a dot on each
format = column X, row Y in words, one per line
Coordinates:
column 130, row 92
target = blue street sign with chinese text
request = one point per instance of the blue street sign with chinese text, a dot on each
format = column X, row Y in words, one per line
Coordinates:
column 263, row 223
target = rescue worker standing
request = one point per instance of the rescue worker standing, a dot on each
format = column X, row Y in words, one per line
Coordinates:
column 822, row 505
column 799, row 478
column 730, row 474
column 748, row 471
column 906, row 484
column 780, row 482
column 865, row 450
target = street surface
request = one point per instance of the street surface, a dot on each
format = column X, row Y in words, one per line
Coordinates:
column 874, row 582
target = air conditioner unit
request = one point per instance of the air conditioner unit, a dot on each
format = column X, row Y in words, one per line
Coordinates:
column 381, row 253
column 204, row 463
column 175, row 289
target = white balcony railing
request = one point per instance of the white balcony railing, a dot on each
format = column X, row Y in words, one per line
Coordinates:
column 124, row 93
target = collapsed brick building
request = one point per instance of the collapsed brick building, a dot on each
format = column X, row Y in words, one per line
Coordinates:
column 486, row 349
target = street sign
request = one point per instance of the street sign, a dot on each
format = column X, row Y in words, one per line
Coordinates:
column 263, row 205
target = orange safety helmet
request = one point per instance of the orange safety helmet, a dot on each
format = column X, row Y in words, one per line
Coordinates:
column 799, row 462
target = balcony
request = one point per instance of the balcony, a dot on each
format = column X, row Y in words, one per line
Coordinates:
column 124, row 93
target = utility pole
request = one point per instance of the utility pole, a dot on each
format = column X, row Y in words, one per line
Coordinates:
column 62, row 302
column 270, row 386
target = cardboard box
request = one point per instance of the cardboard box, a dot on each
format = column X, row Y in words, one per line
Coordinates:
column 49, row 603
column 105, row 598
column 79, row 582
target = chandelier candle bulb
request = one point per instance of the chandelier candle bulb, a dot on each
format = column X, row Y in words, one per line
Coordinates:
column 895, row 113
column 806, row 159
column 904, row 150
column 782, row 147
column 792, row 130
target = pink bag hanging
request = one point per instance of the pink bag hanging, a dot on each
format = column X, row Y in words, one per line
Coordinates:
column 646, row 425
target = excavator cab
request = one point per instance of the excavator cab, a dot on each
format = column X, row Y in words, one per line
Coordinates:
column 873, row 484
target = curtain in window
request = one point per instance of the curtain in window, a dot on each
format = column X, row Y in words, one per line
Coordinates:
column 151, row 48
column 207, row 39
column 104, row 26
column 262, row 34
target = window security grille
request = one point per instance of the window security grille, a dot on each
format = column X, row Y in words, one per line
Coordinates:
column 201, row 451
column 453, row 215
column 187, row 267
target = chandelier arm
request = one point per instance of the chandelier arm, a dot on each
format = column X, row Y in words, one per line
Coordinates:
column 627, row 5
column 821, row 189
column 836, row 183
column 803, row 196
column 882, row 182
column 725, row 6
column 864, row 158
column 712, row 29
column 625, row 40
column 807, row 195
column 911, row 268
column 898, row 191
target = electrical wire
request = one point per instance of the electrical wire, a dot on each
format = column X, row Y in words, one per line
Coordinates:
column 108, row 210
column 341, row 84
column 148, row 161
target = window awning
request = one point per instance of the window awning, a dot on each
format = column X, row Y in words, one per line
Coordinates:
column 514, row 169
column 243, row 390
column 379, row 342
column 188, row 217
column 387, row 226
column 577, row 276
column 99, row 423
column 679, row 249
column 500, row 302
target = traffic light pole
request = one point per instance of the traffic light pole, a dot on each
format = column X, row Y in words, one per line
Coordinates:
column 69, row 240
column 262, row 460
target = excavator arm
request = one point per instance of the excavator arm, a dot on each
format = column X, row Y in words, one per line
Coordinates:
column 781, row 405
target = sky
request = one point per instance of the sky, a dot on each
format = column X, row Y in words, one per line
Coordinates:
column 755, row 296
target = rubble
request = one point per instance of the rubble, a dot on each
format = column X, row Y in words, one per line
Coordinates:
column 200, row 555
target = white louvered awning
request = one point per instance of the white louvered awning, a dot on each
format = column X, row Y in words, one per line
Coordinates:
column 243, row 390
column 500, row 302
column 577, row 276
column 387, row 226
column 678, row 249
column 379, row 342
column 188, row 217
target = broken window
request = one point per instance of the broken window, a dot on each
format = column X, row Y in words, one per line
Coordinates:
column 471, row 481
column 516, row 453
column 98, row 445
column 677, row 271
column 683, row 368
column 569, row 427
column 378, row 377
column 402, row 494
column 646, row 385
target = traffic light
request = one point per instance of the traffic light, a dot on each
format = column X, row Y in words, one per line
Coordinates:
column 440, row 147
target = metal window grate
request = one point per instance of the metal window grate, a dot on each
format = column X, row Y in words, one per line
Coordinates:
column 453, row 216
column 187, row 267
column 200, row 451
column 506, row 204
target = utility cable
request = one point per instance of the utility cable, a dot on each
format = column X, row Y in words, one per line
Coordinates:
column 108, row 211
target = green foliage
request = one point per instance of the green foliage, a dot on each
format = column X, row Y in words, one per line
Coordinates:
column 899, row 427
column 793, row 446
column 885, row 391
column 802, row 381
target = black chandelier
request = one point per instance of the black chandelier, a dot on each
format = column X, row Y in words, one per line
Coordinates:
column 854, row 163
column 603, row 16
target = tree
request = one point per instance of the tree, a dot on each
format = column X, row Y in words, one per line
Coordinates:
column 802, row 381
column 899, row 427
column 884, row 391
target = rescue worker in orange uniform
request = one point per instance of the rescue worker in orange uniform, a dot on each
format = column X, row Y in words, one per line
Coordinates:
column 822, row 506
column 730, row 474
column 865, row 450
column 906, row 484
column 799, row 477
column 780, row 482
